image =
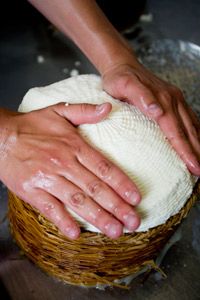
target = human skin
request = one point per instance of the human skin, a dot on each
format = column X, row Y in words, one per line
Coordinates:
column 124, row 77
column 47, row 164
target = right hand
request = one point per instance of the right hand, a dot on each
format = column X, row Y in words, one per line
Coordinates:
column 46, row 163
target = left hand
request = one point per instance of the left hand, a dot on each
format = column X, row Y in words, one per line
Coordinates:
column 163, row 103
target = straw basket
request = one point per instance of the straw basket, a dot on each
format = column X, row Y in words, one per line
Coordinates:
column 93, row 259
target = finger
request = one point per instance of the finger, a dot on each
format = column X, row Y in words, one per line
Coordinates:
column 84, row 206
column 137, row 94
column 195, row 119
column 103, row 195
column 83, row 113
column 173, row 129
column 191, row 128
column 55, row 212
column 105, row 170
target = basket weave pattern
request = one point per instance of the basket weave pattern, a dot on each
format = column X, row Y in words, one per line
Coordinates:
column 93, row 258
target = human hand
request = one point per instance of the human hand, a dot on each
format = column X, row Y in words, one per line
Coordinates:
column 163, row 103
column 46, row 163
column 124, row 77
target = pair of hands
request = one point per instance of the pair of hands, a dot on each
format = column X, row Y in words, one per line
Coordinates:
column 47, row 164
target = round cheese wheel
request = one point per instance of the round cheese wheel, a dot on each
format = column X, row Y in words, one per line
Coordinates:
column 130, row 140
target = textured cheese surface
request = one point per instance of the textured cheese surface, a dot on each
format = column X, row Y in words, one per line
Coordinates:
column 130, row 140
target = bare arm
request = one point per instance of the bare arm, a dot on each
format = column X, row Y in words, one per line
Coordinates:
column 88, row 27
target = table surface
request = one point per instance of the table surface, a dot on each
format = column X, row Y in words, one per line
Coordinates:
column 31, row 55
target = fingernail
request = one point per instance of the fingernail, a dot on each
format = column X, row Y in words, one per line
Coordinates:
column 131, row 221
column 155, row 109
column 100, row 108
column 133, row 197
column 113, row 230
column 194, row 164
column 72, row 233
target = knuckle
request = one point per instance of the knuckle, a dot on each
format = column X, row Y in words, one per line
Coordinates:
column 77, row 148
column 42, row 180
column 125, row 81
column 72, row 145
column 104, row 168
column 95, row 188
column 38, row 180
column 64, row 163
column 72, row 137
column 75, row 143
column 78, row 199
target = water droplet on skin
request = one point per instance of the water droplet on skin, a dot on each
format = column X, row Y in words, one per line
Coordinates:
column 57, row 217
column 132, row 196
column 113, row 229
column 49, row 206
column 111, row 205
column 131, row 220
column 71, row 232
column 55, row 161
column 40, row 180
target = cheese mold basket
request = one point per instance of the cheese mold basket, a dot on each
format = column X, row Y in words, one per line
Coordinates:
column 168, row 192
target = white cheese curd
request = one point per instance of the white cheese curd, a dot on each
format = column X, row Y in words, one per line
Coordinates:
column 131, row 141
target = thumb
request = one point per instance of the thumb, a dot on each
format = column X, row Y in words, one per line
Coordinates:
column 83, row 113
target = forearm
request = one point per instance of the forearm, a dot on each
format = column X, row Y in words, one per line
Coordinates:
column 87, row 26
column 4, row 129
column 7, row 137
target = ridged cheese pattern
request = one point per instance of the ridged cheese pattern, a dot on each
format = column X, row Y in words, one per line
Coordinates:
column 131, row 141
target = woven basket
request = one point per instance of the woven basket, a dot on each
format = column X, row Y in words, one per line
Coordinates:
column 93, row 259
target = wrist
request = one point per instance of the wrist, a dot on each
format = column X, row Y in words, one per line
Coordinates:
column 88, row 27
column 5, row 132
column 122, row 64
column 113, row 53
